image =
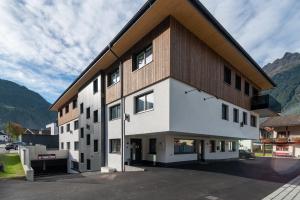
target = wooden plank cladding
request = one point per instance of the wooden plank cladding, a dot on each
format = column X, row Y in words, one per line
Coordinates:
column 113, row 92
column 158, row 69
column 194, row 63
column 71, row 115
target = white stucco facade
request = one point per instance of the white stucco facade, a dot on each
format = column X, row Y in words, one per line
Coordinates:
column 69, row 137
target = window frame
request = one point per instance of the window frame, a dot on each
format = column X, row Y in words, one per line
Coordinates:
column 81, row 108
column 88, row 139
column 74, row 103
column 76, row 125
column 180, row 153
column 95, row 86
column 245, row 118
column 225, row 116
column 113, row 77
column 88, row 113
column 62, row 145
column 76, row 145
column 61, row 129
column 212, row 146
column 81, row 157
column 253, row 123
column 238, row 82
column 116, row 142
column 68, row 127
column 222, row 146
column 145, row 109
column 152, row 149
column 96, row 147
column 247, row 88
column 82, row 132
column 68, row 146
column 67, row 108
column 118, row 113
column 95, row 116
column 236, row 115
column 227, row 72
column 142, row 54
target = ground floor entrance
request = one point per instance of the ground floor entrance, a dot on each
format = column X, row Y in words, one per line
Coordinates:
column 135, row 150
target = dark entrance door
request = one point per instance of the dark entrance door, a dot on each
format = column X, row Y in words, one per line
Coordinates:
column 136, row 150
column 201, row 146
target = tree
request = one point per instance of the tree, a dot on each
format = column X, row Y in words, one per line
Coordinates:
column 14, row 129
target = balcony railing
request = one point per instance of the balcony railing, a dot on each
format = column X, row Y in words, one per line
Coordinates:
column 283, row 140
column 266, row 104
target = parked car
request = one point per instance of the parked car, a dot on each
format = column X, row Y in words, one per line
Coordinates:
column 246, row 154
column 14, row 145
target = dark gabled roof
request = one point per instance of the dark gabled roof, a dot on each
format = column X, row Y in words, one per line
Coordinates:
column 289, row 120
column 144, row 8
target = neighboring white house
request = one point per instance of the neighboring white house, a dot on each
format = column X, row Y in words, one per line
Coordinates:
column 3, row 137
column 53, row 128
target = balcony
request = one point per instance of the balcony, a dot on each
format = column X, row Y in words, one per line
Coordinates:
column 295, row 140
column 265, row 105
column 283, row 140
column 267, row 140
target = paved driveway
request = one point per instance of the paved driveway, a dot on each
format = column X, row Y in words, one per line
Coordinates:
column 251, row 179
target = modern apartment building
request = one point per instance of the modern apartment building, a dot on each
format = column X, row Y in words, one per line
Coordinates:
column 283, row 132
column 172, row 86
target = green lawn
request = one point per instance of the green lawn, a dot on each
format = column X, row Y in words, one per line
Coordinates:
column 262, row 155
column 12, row 166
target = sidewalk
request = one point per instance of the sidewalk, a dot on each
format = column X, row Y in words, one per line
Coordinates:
column 290, row 191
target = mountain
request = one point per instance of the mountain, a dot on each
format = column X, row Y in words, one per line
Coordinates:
column 285, row 72
column 21, row 105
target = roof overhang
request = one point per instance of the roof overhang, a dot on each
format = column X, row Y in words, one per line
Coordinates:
column 203, row 25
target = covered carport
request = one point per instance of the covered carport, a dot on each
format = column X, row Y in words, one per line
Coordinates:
column 49, row 167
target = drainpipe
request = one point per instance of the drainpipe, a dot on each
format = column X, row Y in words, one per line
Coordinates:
column 122, row 110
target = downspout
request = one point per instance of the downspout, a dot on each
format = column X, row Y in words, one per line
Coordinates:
column 122, row 110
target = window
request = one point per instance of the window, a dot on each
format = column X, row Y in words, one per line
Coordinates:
column 231, row 146
column 68, row 145
column 236, row 115
column 62, row 129
column 81, row 108
column 62, row 145
column 76, row 145
column 253, row 120
column 75, row 165
column 143, row 58
column 81, row 132
column 68, row 127
column 113, row 77
column 238, row 82
column 88, row 164
column 152, row 146
column 245, row 118
column 74, row 103
column 60, row 113
column 115, row 112
column 76, row 125
column 96, row 116
column 183, row 146
column 222, row 146
column 95, row 145
column 95, row 86
column 67, row 108
column 88, row 139
column 282, row 148
column 115, row 146
column 144, row 102
column 227, row 75
column 254, row 91
column 247, row 88
column 212, row 145
column 88, row 114
column 82, row 157
column 224, row 112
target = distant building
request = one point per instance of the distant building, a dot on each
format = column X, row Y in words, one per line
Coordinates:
column 3, row 137
column 283, row 132
column 53, row 128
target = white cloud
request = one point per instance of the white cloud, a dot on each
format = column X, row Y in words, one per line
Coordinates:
column 45, row 44
column 266, row 29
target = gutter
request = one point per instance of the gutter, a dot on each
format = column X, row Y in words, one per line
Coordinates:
column 143, row 9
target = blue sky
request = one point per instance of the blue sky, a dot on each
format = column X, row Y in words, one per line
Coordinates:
column 45, row 44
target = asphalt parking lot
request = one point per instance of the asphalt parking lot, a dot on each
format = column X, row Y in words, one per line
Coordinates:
column 244, row 179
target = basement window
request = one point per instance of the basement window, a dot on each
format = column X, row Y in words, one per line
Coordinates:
column 143, row 58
